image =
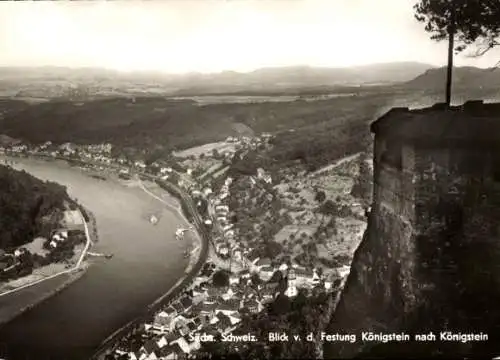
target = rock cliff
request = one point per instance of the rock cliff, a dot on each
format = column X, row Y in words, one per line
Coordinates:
column 429, row 258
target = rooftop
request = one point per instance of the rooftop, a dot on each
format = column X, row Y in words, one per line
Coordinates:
column 472, row 121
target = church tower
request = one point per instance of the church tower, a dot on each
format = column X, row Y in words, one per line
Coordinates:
column 291, row 290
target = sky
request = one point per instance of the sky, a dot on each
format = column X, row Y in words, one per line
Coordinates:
column 178, row 36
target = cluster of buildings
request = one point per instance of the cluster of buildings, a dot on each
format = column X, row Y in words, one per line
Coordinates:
column 208, row 308
column 250, row 143
column 72, row 223
column 57, row 238
column 9, row 261
column 215, row 311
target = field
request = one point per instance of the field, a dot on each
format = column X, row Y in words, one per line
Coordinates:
column 205, row 149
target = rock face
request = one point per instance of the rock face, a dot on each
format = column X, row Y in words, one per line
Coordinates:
column 428, row 260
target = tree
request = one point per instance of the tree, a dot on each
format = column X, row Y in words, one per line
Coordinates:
column 361, row 187
column 221, row 278
column 320, row 196
column 281, row 305
column 463, row 23
column 329, row 208
column 256, row 280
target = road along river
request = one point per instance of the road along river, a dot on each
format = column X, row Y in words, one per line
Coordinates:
column 147, row 262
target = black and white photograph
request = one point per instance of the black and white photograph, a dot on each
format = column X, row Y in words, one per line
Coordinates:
column 249, row 179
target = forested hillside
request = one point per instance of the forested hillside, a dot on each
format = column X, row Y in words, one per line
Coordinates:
column 29, row 207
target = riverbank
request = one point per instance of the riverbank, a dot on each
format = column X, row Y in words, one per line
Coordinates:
column 188, row 211
column 15, row 304
column 147, row 262
column 44, row 282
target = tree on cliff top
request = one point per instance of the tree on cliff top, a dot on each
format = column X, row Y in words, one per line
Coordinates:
column 463, row 23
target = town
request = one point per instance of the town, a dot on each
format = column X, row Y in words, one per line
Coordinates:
column 273, row 231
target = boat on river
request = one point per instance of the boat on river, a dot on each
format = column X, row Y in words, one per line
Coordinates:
column 107, row 256
column 179, row 233
column 153, row 220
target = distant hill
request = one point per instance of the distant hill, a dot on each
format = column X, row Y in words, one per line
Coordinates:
column 468, row 76
column 58, row 81
column 29, row 207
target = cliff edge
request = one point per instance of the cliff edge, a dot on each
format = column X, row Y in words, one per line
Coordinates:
column 428, row 261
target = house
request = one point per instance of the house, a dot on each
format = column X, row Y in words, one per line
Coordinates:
column 149, row 348
column 183, row 345
column 238, row 254
column 162, row 342
column 259, row 264
column 222, row 208
column 343, row 271
column 228, row 307
column 244, row 274
column 267, row 295
column 179, row 321
column 304, row 276
column 198, row 297
column 208, row 309
column 234, row 318
column 215, row 291
column 283, row 268
column 332, row 282
column 196, row 193
column 266, row 272
column 223, row 195
column 211, row 299
column 170, row 352
column 178, row 307
column 223, row 249
column 164, row 319
column 183, row 329
column 135, row 356
column 186, row 302
column 234, row 279
column 316, row 278
column 18, row 252
column 252, row 258
column 229, row 294
column 252, row 305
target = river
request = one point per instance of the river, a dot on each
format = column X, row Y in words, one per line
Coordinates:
column 147, row 262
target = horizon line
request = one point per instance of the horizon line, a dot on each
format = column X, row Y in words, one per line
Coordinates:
column 166, row 72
